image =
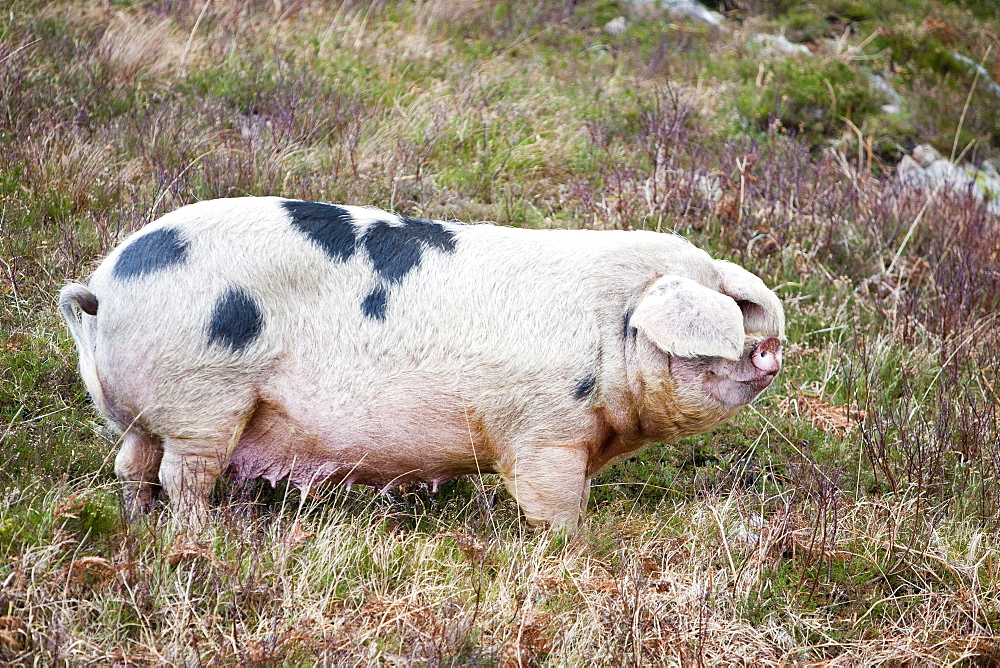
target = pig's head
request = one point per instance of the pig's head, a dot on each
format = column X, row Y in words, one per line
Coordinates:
column 703, row 353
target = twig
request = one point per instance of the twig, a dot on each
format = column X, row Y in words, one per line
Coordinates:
column 788, row 441
column 18, row 50
column 913, row 226
column 725, row 540
column 968, row 99
column 194, row 29
column 986, row 321
column 13, row 284
column 989, row 386
column 159, row 198
column 10, row 426
column 526, row 40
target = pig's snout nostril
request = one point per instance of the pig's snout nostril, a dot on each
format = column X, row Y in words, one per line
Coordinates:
column 767, row 356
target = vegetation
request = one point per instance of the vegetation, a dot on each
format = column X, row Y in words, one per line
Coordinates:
column 851, row 515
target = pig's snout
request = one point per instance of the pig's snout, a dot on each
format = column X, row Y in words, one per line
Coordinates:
column 766, row 358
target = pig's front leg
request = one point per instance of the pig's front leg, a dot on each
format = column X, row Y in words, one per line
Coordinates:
column 550, row 484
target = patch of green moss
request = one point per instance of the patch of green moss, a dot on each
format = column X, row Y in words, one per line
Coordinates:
column 853, row 10
column 916, row 51
column 805, row 23
column 808, row 99
column 981, row 9
column 891, row 134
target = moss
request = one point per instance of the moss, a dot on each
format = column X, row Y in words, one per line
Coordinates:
column 43, row 400
column 808, row 99
column 94, row 515
column 853, row 10
column 982, row 9
column 916, row 51
column 893, row 135
column 805, row 23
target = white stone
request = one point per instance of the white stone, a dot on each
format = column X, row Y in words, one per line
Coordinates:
column 616, row 26
column 779, row 45
column 924, row 168
column 991, row 85
column 925, row 155
column 681, row 8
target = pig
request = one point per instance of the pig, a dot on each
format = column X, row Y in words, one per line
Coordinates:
column 283, row 339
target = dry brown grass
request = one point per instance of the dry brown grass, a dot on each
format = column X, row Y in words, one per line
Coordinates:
column 708, row 583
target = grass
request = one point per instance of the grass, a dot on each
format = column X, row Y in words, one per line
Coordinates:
column 849, row 516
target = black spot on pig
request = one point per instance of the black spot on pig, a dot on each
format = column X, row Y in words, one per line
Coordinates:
column 329, row 227
column 392, row 250
column 431, row 234
column 395, row 250
column 375, row 303
column 151, row 253
column 236, row 320
column 585, row 387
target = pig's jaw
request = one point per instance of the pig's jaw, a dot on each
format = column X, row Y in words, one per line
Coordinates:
column 735, row 393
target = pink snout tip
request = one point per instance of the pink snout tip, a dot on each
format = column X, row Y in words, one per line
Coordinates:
column 766, row 356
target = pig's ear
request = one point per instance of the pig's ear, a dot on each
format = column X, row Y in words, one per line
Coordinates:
column 763, row 315
column 683, row 317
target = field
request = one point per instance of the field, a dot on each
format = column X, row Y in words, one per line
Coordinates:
column 849, row 517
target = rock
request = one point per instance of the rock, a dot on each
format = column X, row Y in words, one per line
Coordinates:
column 894, row 103
column 615, row 26
column 989, row 185
column 945, row 172
column 679, row 9
column 925, row 169
column 748, row 531
column 909, row 171
column 991, row 85
column 925, row 155
column 779, row 45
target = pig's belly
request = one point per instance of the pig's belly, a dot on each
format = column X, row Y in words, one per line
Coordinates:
column 383, row 442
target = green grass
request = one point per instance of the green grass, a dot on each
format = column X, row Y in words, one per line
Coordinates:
column 850, row 515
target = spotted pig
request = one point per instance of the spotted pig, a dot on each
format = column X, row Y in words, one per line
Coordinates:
column 265, row 337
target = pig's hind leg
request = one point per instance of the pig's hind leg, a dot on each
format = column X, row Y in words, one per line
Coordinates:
column 137, row 465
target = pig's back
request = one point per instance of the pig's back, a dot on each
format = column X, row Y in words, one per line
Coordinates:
column 371, row 283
